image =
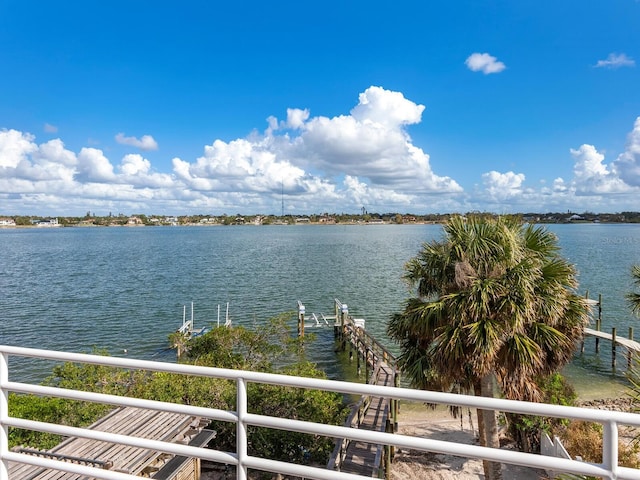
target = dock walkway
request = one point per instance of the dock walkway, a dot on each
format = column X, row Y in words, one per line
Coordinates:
column 630, row 345
column 370, row 413
column 363, row 458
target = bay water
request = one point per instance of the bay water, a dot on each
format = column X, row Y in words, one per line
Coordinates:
column 124, row 289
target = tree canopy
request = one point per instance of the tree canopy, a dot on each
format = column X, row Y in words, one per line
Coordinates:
column 495, row 306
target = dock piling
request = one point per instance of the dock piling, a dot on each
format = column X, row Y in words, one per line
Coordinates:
column 301, row 311
column 613, row 349
column 629, row 351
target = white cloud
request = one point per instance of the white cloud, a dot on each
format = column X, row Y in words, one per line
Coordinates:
column 21, row 158
column 146, row 143
column 616, row 60
column 371, row 143
column 485, row 63
column 15, row 147
column 591, row 175
column 502, row 186
column 365, row 157
column 384, row 107
column 627, row 165
column 93, row 166
column 48, row 128
column 319, row 163
column 134, row 164
column 296, row 117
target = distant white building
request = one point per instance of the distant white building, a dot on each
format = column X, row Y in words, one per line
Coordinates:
column 7, row 222
column 49, row 222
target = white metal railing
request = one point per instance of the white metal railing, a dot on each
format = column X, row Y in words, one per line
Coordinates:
column 610, row 420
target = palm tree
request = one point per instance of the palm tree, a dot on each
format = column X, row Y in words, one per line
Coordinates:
column 495, row 308
column 633, row 298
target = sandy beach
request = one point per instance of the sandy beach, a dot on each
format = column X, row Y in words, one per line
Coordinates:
column 438, row 424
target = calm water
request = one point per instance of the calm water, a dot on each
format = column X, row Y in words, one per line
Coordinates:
column 125, row 288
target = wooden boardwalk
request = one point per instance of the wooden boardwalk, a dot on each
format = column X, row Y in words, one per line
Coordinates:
column 371, row 413
column 363, row 458
column 148, row 424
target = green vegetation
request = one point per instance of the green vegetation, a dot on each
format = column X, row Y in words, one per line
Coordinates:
column 525, row 429
column 495, row 309
column 633, row 298
column 267, row 348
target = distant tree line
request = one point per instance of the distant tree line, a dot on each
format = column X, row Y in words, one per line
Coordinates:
column 90, row 219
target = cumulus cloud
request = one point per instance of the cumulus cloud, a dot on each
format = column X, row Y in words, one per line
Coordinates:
column 364, row 157
column 93, row 166
column 591, row 175
column 627, row 165
column 379, row 106
column 296, row 117
column 15, row 147
column 146, row 142
column 485, row 63
column 134, row 164
column 502, row 186
column 616, row 60
column 372, row 143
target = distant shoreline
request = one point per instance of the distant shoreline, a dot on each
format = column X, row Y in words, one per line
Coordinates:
column 364, row 218
column 319, row 224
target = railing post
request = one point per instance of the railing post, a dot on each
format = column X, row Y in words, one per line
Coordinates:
column 610, row 447
column 241, row 428
column 4, row 413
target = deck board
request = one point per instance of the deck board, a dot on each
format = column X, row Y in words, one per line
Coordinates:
column 142, row 423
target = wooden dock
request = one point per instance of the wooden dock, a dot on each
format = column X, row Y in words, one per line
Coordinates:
column 364, row 458
column 632, row 347
column 148, row 424
column 370, row 413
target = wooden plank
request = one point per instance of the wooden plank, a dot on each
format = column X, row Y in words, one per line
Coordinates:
column 142, row 423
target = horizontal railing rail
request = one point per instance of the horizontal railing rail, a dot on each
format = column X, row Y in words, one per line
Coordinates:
column 609, row 419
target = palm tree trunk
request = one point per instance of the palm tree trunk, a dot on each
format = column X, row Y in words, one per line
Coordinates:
column 488, row 428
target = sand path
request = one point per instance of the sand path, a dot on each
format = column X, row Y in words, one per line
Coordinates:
column 438, row 424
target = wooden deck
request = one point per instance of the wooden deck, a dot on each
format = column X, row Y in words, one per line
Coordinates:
column 149, row 424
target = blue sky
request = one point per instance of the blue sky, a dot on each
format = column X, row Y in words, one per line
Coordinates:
column 221, row 107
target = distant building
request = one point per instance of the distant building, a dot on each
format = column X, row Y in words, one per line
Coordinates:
column 326, row 219
column 49, row 222
column 7, row 222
